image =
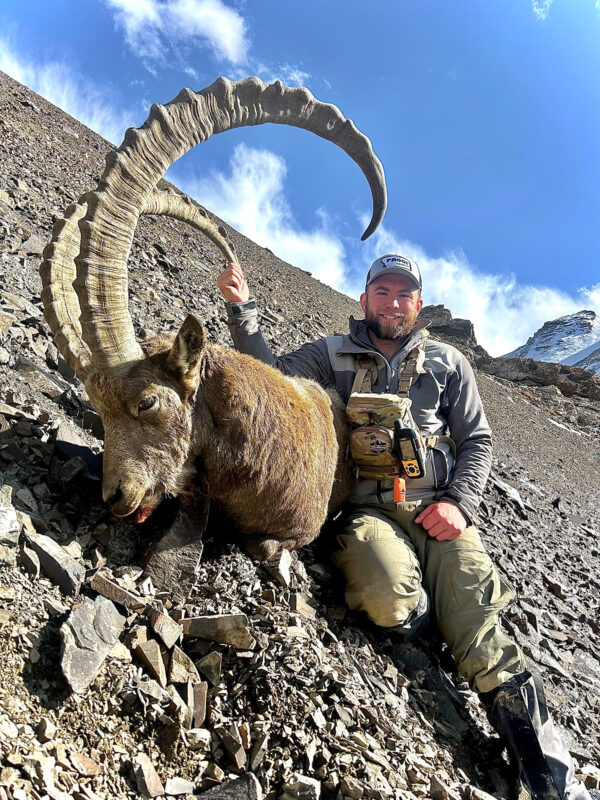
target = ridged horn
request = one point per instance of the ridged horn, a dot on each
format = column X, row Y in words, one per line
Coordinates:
column 146, row 153
column 182, row 208
column 57, row 270
column 61, row 306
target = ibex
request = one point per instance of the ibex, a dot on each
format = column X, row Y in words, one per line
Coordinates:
column 265, row 444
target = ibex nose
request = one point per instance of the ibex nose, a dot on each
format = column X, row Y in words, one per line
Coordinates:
column 113, row 496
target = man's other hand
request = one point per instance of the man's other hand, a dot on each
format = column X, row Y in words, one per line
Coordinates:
column 233, row 285
column 442, row 521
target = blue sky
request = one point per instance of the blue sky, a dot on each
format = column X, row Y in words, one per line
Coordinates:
column 486, row 116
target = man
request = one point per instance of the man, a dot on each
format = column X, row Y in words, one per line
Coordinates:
column 401, row 555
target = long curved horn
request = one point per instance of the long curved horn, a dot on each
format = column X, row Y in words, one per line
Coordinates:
column 146, row 153
column 182, row 208
column 57, row 270
column 61, row 306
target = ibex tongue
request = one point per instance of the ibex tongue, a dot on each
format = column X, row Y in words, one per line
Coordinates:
column 141, row 513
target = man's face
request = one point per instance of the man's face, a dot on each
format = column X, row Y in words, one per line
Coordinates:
column 391, row 306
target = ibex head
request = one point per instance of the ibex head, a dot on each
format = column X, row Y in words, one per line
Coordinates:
column 146, row 393
column 148, row 417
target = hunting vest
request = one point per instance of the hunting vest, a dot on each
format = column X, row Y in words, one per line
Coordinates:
column 382, row 424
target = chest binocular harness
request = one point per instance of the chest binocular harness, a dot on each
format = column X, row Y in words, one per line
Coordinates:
column 384, row 441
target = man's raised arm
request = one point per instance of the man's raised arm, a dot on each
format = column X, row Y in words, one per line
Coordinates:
column 310, row 361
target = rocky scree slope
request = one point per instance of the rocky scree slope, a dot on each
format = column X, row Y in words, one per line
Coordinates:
column 294, row 690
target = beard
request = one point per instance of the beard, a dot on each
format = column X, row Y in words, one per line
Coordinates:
column 388, row 329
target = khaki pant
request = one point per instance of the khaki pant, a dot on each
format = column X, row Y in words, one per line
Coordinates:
column 385, row 557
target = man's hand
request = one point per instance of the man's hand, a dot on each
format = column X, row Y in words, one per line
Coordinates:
column 442, row 521
column 233, row 285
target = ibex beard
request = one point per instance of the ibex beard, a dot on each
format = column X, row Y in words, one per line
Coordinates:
column 265, row 444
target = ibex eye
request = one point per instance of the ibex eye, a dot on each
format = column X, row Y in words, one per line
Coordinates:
column 147, row 403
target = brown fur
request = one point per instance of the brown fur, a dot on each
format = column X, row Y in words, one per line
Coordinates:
column 266, row 444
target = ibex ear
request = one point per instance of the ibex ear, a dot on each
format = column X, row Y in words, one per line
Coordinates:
column 184, row 357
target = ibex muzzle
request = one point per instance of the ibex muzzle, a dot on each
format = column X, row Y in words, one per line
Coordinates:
column 265, row 445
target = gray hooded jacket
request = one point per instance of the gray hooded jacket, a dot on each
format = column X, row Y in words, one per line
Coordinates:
column 445, row 401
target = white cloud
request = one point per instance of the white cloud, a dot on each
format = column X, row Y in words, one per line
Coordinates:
column 293, row 75
column 504, row 312
column 155, row 29
column 76, row 95
column 592, row 293
column 251, row 198
column 288, row 74
column 192, row 73
column 541, row 8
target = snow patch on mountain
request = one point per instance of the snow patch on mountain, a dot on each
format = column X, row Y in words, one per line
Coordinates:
column 591, row 361
column 572, row 339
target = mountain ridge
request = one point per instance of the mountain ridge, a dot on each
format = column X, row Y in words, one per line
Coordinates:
column 571, row 340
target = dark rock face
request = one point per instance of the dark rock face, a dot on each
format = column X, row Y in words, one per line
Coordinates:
column 570, row 380
column 307, row 696
column 445, row 327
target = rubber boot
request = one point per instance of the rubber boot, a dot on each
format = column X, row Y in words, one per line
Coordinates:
column 517, row 710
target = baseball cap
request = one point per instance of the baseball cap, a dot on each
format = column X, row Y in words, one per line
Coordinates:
column 399, row 265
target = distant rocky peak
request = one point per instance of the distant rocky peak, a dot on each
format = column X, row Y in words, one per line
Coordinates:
column 443, row 325
column 561, row 339
column 457, row 332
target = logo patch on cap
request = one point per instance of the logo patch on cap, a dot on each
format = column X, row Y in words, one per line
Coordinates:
column 397, row 261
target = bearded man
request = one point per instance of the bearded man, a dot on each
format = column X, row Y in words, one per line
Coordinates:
column 408, row 556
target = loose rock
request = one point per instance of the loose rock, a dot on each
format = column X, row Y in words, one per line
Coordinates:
column 88, row 636
column 67, row 573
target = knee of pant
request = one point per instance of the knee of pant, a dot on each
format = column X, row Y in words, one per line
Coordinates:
column 471, row 587
column 388, row 607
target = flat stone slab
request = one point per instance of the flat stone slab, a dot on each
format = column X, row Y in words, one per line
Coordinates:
column 168, row 629
column 107, row 587
column 229, row 629
column 279, row 567
column 174, row 561
column 88, row 636
column 179, row 786
column 149, row 785
column 181, row 668
column 67, row 573
column 210, row 667
column 150, row 655
column 232, row 745
column 245, row 788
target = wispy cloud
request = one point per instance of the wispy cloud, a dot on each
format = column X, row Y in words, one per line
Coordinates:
column 192, row 73
column 163, row 31
column 286, row 73
column 154, row 30
column 541, row 8
column 78, row 96
column 592, row 294
column 251, row 198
